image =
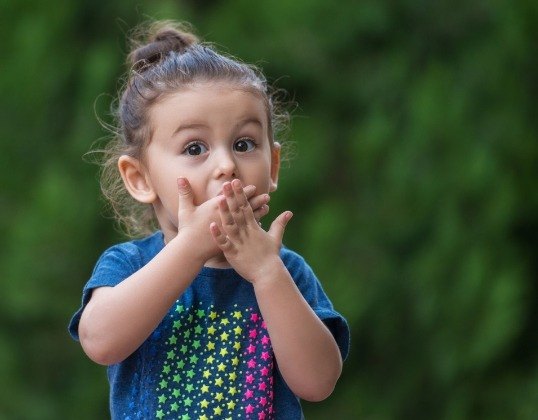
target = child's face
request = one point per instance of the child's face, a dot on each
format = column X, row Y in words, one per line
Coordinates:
column 209, row 134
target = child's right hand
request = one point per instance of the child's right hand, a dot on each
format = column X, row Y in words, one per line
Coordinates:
column 194, row 220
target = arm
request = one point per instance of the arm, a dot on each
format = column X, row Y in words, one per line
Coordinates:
column 117, row 320
column 307, row 354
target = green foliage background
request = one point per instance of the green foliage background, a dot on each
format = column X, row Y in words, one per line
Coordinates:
column 414, row 186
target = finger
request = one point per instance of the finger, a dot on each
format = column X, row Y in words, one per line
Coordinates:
column 249, row 190
column 234, row 203
column 226, row 217
column 279, row 225
column 185, row 195
column 261, row 212
column 244, row 206
column 258, row 201
column 219, row 237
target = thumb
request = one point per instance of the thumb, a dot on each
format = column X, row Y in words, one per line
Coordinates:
column 186, row 199
column 279, row 225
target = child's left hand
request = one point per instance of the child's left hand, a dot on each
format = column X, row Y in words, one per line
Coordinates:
column 250, row 250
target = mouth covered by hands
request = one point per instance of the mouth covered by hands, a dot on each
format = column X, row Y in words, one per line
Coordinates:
column 249, row 249
column 196, row 219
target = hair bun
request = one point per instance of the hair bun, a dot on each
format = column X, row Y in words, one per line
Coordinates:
column 160, row 41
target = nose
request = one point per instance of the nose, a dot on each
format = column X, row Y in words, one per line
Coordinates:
column 225, row 165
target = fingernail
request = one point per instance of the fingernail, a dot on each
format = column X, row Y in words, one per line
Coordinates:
column 182, row 182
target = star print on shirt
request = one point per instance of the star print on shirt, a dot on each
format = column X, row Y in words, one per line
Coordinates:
column 217, row 364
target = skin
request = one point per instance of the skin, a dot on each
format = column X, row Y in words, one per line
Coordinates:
column 208, row 171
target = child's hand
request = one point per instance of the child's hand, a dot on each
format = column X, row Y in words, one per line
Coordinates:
column 195, row 219
column 250, row 250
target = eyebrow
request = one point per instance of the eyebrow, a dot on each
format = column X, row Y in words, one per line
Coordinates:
column 243, row 122
column 188, row 127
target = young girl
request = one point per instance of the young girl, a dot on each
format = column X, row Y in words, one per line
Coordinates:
column 209, row 316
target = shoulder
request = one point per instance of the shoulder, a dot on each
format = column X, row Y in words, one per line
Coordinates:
column 296, row 264
column 134, row 253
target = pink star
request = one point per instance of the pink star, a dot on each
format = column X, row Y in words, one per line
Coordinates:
column 250, row 379
column 264, row 371
column 265, row 339
column 251, row 348
column 262, row 386
column 248, row 394
column 271, row 409
column 252, row 334
column 249, row 409
column 254, row 317
column 251, row 363
column 261, row 416
column 263, row 325
column 263, row 401
column 265, row 355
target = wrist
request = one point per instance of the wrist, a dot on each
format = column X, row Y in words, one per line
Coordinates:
column 269, row 272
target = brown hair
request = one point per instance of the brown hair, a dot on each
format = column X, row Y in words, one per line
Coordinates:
column 165, row 57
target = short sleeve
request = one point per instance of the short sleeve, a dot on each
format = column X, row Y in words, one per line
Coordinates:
column 114, row 266
column 313, row 292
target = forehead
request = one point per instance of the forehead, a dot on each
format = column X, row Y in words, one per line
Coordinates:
column 211, row 101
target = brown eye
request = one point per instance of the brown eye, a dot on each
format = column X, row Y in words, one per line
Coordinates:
column 244, row 145
column 195, row 149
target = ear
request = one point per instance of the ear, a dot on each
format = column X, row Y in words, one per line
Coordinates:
column 135, row 179
column 275, row 166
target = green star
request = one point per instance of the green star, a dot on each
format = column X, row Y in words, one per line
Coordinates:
column 193, row 358
column 174, row 407
column 159, row 414
column 196, row 344
column 198, row 329
column 170, row 354
column 176, row 378
column 177, row 324
column 190, row 318
column 180, row 308
column 189, row 387
column 190, row 373
column 183, row 349
column 200, row 313
column 187, row 401
column 176, row 393
column 166, row 369
column 172, row 340
column 162, row 399
column 187, row 334
column 185, row 417
column 163, row 384
column 180, row 364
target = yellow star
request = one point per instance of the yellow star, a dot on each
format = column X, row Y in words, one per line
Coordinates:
column 221, row 367
column 219, row 396
column 219, row 381
column 217, row 410
column 232, row 376
column 210, row 346
column 231, row 405
column 207, row 373
column 211, row 330
column 237, row 346
column 210, row 359
column 232, row 390
column 238, row 330
column 224, row 336
column 224, row 321
column 205, row 388
column 204, row 403
column 235, row 361
column 237, row 314
column 203, row 417
column 223, row 352
column 212, row 315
